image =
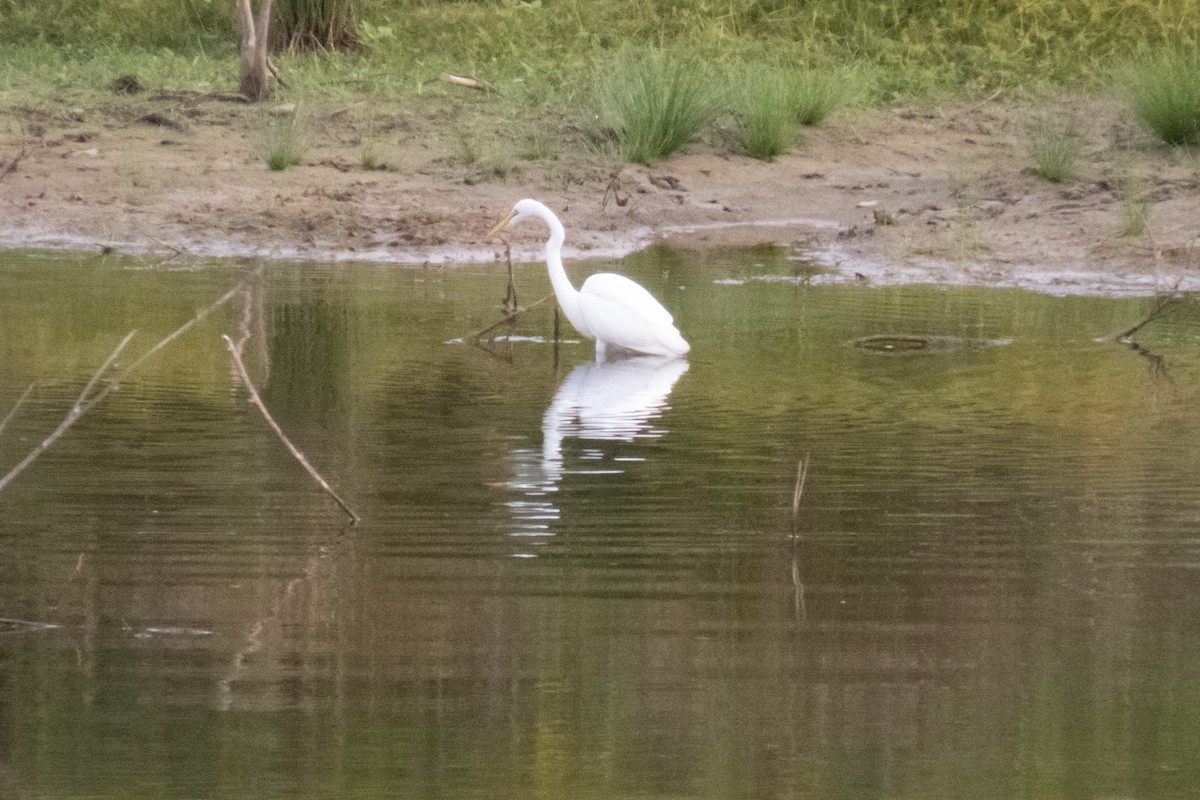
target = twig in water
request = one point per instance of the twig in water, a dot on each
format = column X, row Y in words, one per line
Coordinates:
column 85, row 403
column 510, row 294
column 258, row 403
column 506, row 319
column 798, row 492
column 182, row 329
column 78, row 409
column 1163, row 305
column 799, row 608
column 12, row 413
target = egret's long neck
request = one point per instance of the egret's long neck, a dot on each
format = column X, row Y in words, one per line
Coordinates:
column 568, row 295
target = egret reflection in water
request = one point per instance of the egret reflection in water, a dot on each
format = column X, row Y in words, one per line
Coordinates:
column 608, row 401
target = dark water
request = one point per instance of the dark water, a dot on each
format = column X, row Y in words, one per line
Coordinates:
column 587, row 581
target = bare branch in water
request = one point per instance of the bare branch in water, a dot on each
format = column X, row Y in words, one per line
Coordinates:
column 1164, row 305
column 295, row 451
column 13, row 412
column 78, row 409
column 225, row 298
column 86, row 400
column 508, row 318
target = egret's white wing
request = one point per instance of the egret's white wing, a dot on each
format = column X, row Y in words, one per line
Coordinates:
column 619, row 289
column 624, row 325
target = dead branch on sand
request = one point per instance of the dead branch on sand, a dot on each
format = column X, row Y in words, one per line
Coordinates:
column 950, row 119
column 11, row 166
column 470, row 83
column 295, row 451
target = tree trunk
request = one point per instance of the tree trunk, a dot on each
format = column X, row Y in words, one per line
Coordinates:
column 254, row 82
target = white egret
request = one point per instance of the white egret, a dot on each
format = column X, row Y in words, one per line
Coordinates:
column 612, row 309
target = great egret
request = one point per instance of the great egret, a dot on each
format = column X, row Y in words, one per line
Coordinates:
column 610, row 308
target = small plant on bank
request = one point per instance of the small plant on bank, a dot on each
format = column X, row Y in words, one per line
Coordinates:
column 370, row 154
column 1165, row 92
column 282, row 141
column 1134, row 195
column 766, row 125
column 656, row 102
column 815, row 94
column 1055, row 151
column 537, row 145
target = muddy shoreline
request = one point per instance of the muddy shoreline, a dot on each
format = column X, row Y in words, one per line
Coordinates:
column 936, row 195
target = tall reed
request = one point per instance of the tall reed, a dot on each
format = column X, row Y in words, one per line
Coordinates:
column 316, row 24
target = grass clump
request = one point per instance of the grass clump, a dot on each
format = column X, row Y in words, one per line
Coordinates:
column 370, row 154
column 814, row 94
column 1165, row 91
column 1055, row 150
column 766, row 123
column 656, row 101
column 282, row 141
column 1134, row 194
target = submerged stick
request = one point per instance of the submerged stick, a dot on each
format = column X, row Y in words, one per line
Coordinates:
column 295, row 451
column 78, row 409
column 12, row 413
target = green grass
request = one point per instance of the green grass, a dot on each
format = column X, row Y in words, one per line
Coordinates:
column 371, row 154
column 1165, row 91
column 634, row 74
column 1134, row 194
column 282, row 141
column 816, row 93
column 766, row 123
column 1055, row 148
column 656, row 101
column 916, row 46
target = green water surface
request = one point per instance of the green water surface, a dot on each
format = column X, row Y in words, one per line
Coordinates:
column 587, row 581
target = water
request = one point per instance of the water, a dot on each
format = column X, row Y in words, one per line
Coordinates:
column 582, row 581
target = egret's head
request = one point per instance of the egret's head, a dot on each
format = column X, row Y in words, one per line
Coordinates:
column 522, row 210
